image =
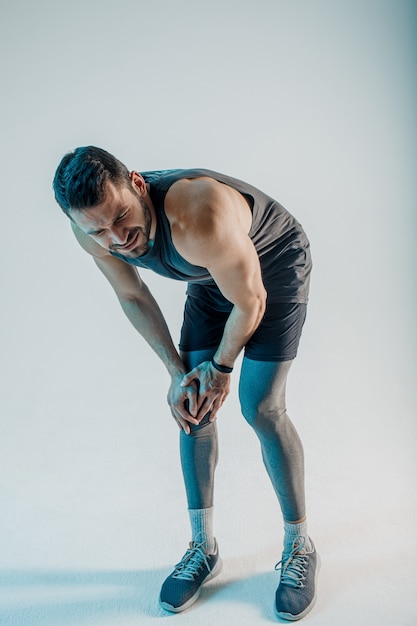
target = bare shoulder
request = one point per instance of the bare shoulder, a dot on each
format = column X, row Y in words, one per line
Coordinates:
column 88, row 244
column 207, row 218
column 204, row 198
column 190, row 194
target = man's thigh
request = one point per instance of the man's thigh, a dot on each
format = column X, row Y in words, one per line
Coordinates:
column 205, row 315
column 278, row 336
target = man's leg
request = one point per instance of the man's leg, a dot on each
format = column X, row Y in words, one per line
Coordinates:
column 199, row 452
column 262, row 396
column 199, row 455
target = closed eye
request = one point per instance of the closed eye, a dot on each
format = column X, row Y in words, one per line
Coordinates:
column 121, row 217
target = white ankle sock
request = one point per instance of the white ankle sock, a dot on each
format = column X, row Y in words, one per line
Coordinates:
column 296, row 530
column 202, row 528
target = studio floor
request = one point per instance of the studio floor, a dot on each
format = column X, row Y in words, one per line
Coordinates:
column 94, row 515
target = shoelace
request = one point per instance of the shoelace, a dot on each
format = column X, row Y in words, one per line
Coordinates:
column 294, row 566
column 191, row 562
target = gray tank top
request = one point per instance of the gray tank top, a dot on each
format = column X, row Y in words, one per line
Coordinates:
column 281, row 244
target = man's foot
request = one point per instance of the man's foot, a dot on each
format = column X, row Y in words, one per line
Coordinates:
column 296, row 593
column 182, row 588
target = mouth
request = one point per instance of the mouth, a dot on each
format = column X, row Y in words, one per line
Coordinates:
column 131, row 244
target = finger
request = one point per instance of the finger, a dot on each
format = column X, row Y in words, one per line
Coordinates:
column 192, row 402
column 182, row 412
column 214, row 409
column 181, row 423
column 203, row 409
column 184, row 426
column 188, row 378
column 213, row 413
column 185, row 416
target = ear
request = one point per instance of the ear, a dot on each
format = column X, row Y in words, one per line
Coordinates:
column 138, row 183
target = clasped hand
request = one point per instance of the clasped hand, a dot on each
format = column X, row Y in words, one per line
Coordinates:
column 199, row 392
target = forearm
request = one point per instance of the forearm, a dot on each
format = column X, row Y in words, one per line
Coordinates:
column 146, row 317
column 239, row 328
column 214, row 385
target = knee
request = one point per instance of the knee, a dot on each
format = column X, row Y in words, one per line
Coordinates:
column 204, row 429
column 266, row 416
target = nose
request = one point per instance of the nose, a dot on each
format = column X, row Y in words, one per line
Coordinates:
column 118, row 236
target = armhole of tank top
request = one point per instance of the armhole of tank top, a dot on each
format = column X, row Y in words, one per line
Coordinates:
column 249, row 199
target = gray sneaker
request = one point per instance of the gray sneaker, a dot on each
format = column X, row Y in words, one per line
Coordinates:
column 182, row 588
column 296, row 593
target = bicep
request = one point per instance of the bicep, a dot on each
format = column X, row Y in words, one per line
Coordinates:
column 236, row 270
column 212, row 231
column 231, row 258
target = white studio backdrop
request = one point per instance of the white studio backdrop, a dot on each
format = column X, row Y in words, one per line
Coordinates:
column 314, row 102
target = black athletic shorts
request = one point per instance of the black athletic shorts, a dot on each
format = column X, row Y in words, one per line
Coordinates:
column 206, row 312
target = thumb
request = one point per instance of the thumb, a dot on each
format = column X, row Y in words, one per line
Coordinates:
column 188, row 378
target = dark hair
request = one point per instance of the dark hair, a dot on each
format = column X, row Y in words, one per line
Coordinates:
column 79, row 181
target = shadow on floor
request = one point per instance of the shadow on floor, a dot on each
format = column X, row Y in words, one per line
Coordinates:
column 47, row 598
column 56, row 598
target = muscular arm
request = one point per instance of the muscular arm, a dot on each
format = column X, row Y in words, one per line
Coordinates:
column 145, row 315
column 211, row 230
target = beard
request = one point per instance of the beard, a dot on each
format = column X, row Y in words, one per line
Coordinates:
column 144, row 244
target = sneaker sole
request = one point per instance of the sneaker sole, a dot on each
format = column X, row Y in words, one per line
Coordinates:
column 293, row 618
column 177, row 609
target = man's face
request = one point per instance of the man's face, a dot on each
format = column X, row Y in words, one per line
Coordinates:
column 122, row 223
